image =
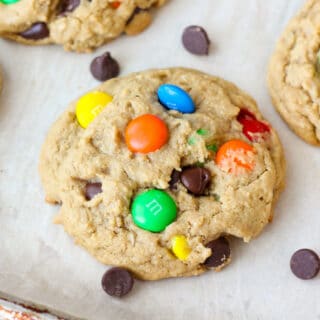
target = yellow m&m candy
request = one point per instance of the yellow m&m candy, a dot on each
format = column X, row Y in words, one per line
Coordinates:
column 180, row 247
column 90, row 105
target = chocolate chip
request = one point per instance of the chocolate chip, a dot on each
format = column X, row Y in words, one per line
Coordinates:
column 117, row 282
column 104, row 67
column 195, row 39
column 175, row 177
column 37, row 31
column 196, row 179
column 68, row 6
column 305, row 264
column 220, row 252
column 92, row 189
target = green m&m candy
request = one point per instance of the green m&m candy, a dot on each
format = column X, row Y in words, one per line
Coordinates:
column 9, row 1
column 153, row 210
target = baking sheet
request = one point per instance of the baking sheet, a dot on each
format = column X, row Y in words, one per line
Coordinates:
column 39, row 262
column 13, row 311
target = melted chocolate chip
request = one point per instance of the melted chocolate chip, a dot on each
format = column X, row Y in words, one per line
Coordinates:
column 68, row 6
column 220, row 252
column 104, row 67
column 305, row 264
column 37, row 31
column 195, row 39
column 117, row 282
column 196, row 179
column 175, row 177
column 92, row 189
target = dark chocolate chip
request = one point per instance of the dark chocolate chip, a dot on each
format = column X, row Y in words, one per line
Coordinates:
column 175, row 177
column 305, row 264
column 117, row 282
column 92, row 189
column 68, row 6
column 104, row 67
column 37, row 31
column 195, row 39
column 196, row 179
column 220, row 252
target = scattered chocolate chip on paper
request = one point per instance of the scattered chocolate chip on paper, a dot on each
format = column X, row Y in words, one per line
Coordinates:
column 117, row 282
column 104, row 67
column 195, row 39
column 305, row 264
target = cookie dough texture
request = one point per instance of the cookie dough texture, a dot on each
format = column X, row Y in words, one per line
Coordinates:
column 293, row 78
column 72, row 156
column 88, row 26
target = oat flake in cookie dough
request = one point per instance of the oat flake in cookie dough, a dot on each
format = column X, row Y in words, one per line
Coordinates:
column 151, row 168
column 78, row 25
column 294, row 78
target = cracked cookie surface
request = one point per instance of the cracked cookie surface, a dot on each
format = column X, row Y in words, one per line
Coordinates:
column 78, row 25
column 293, row 76
column 230, row 202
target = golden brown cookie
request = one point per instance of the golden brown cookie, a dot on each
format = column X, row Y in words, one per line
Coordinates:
column 78, row 25
column 293, row 77
column 0, row 80
column 151, row 168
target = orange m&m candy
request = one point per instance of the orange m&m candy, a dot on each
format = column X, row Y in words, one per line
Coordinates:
column 115, row 4
column 146, row 133
column 236, row 156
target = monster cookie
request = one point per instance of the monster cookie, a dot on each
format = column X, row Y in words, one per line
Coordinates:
column 79, row 25
column 0, row 80
column 294, row 79
column 155, row 170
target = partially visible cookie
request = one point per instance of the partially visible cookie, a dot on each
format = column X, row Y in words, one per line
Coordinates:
column 78, row 25
column 154, row 169
column 1, row 80
column 293, row 77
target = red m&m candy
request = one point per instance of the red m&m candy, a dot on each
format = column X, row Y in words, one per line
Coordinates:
column 146, row 133
column 253, row 129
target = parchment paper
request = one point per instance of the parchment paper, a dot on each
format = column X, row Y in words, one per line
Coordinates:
column 38, row 260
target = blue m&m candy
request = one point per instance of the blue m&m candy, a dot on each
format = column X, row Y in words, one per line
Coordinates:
column 174, row 98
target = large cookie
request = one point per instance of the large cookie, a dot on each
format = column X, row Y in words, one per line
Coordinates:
column 80, row 25
column 293, row 78
column 1, row 80
column 221, row 165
